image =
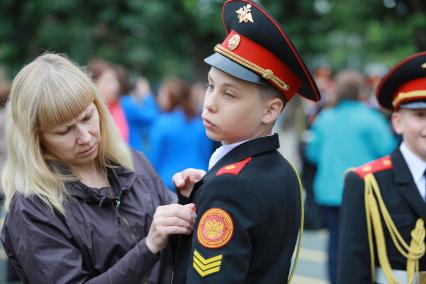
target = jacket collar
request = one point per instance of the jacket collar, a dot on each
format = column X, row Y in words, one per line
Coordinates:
column 247, row 149
column 405, row 184
column 121, row 181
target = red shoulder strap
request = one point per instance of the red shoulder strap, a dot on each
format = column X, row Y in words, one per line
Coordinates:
column 378, row 165
column 235, row 168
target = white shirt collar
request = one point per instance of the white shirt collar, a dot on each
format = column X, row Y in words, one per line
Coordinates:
column 222, row 151
column 417, row 167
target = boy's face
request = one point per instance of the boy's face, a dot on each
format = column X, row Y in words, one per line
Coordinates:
column 411, row 124
column 234, row 111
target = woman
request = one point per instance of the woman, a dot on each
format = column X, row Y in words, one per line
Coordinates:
column 80, row 206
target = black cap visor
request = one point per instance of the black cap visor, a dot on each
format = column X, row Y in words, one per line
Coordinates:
column 414, row 105
column 234, row 69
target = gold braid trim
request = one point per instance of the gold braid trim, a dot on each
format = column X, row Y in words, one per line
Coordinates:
column 402, row 96
column 367, row 194
column 302, row 220
column 413, row 252
column 266, row 73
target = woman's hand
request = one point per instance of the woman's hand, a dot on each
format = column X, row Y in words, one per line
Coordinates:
column 170, row 220
column 184, row 181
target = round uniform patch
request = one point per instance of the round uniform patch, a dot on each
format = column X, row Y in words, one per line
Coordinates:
column 215, row 228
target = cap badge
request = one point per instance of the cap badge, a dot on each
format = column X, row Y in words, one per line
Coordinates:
column 233, row 42
column 424, row 65
column 244, row 14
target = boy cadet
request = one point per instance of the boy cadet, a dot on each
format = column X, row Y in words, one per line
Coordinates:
column 249, row 202
column 383, row 210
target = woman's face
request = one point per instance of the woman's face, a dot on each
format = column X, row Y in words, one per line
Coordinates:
column 75, row 142
column 108, row 85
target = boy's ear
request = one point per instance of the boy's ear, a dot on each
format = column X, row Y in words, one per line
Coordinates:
column 397, row 122
column 273, row 110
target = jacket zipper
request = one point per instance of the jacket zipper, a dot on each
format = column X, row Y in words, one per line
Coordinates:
column 116, row 206
column 126, row 223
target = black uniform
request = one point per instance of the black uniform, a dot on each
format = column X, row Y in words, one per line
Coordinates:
column 261, row 197
column 405, row 205
column 249, row 203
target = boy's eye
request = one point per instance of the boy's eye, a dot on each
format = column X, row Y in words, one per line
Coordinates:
column 228, row 95
column 209, row 87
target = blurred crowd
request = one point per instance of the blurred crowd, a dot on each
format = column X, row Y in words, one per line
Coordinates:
column 162, row 120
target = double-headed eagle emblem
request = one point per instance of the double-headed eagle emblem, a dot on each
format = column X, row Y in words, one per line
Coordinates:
column 244, row 14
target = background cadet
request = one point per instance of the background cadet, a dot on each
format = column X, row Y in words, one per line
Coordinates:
column 383, row 209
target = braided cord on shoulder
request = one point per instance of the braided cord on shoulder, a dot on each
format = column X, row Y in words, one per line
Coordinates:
column 375, row 208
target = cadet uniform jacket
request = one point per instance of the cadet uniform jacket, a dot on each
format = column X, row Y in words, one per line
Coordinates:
column 248, row 218
column 402, row 200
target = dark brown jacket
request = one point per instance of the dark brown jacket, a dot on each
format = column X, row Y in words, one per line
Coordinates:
column 101, row 238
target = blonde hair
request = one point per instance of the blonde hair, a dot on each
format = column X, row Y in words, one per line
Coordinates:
column 50, row 91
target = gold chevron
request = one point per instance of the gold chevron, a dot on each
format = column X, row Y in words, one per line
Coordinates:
column 206, row 272
column 208, row 260
column 207, row 266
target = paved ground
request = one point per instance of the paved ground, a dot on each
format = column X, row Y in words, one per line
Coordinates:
column 312, row 263
column 311, row 268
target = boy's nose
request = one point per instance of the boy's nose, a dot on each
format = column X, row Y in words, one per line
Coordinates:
column 210, row 103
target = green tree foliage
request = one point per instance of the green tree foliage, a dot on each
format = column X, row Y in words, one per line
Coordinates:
column 353, row 33
column 159, row 38
column 149, row 36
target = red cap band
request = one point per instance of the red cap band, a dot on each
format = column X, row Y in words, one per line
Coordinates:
column 249, row 54
column 410, row 91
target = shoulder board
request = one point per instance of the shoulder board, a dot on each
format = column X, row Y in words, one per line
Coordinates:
column 235, row 168
column 378, row 165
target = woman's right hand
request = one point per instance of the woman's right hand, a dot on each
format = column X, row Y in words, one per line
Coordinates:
column 170, row 220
